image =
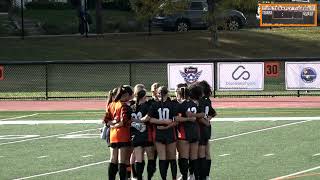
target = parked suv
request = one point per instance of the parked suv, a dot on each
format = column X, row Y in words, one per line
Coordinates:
column 195, row 17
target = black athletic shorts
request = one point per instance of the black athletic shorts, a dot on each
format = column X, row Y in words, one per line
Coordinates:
column 191, row 132
column 120, row 145
column 205, row 134
column 166, row 136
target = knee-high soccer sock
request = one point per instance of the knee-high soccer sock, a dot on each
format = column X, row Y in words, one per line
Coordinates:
column 183, row 166
column 197, row 169
column 173, row 165
column 163, row 164
column 203, row 168
column 139, row 169
column 191, row 166
column 123, row 171
column 151, row 168
column 112, row 171
column 133, row 170
column 208, row 167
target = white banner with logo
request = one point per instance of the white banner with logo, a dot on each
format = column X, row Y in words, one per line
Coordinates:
column 247, row 76
column 302, row 75
column 189, row 73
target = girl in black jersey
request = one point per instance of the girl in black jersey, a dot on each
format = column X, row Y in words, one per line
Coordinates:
column 163, row 114
column 132, row 166
column 141, row 135
column 188, row 129
column 205, row 131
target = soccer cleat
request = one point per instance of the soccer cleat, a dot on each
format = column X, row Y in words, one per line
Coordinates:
column 179, row 178
column 191, row 177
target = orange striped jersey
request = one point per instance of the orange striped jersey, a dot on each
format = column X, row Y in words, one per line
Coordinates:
column 119, row 111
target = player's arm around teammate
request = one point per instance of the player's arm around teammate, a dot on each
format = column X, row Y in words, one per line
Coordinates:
column 163, row 113
column 119, row 132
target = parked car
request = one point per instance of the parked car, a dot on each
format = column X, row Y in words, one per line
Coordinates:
column 195, row 17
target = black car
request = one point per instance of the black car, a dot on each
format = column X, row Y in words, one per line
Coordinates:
column 195, row 17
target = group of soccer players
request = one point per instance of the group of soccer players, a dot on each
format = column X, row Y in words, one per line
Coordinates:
column 161, row 127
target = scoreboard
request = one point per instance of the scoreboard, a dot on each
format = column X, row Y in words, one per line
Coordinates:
column 279, row 14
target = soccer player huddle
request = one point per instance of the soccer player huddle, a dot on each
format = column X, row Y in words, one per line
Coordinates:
column 161, row 127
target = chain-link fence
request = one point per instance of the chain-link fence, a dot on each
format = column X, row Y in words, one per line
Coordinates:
column 48, row 80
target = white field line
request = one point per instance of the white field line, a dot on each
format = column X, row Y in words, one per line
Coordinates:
column 265, row 119
column 30, row 122
column 297, row 173
column 89, row 155
column 316, row 155
column 222, row 155
column 19, row 117
column 266, row 155
column 45, row 137
column 35, row 122
column 260, row 130
column 71, row 113
column 64, row 170
column 40, row 157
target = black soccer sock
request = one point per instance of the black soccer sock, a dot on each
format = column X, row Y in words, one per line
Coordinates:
column 197, row 169
column 203, row 168
column 191, row 166
column 183, row 166
column 151, row 168
column 208, row 167
column 163, row 164
column 123, row 171
column 173, row 166
column 133, row 170
column 112, row 171
column 139, row 169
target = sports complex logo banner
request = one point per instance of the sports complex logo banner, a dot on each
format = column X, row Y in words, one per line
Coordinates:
column 189, row 73
column 247, row 76
column 302, row 75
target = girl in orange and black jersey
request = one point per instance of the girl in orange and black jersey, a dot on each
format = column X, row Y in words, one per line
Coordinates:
column 110, row 99
column 119, row 116
column 162, row 115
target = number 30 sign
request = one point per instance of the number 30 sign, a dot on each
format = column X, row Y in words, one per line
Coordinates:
column 271, row 69
column 1, row 73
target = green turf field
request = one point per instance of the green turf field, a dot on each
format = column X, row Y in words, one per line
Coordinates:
column 241, row 150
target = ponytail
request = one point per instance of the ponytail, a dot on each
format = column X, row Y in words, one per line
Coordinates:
column 110, row 96
column 142, row 93
column 120, row 92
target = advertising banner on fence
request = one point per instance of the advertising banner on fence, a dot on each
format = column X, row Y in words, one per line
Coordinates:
column 247, row 76
column 302, row 75
column 189, row 73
